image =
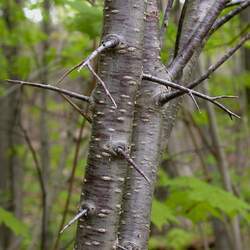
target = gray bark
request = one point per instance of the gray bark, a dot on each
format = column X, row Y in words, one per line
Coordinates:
column 146, row 142
column 120, row 69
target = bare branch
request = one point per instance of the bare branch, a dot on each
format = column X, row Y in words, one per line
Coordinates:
column 36, row 161
column 195, row 102
column 179, row 30
column 53, row 88
column 125, row 155
column 196, row 39
column 232, row 41
column 188, row 91
column 235, row 2
column 71, row 181
column 81, row 213
column 228, row 17
column 211, row 69
column 164, row 26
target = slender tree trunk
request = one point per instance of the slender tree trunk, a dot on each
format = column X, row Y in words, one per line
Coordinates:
column 120, row 69
column 44, row 130
column 146, row 142
column 236, row 243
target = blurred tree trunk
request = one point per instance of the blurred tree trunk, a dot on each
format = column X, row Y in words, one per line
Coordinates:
column 232, row 239
column 10, row 140
column 44, row 129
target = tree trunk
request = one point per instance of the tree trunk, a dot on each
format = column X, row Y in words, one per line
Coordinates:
column 121, row 70
column 146, row 142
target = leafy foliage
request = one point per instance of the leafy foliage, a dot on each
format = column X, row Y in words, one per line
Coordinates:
column 197, row 200
column 162, row 214
column 15, row 225
column 210, row 199
column 176, row 239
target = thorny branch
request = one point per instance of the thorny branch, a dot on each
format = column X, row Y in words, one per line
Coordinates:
column 53, row 88
column 190, row 92
column 211, row 69
column 111, row 43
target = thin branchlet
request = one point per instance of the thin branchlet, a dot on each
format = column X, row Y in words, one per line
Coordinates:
column 186, row 90
column 179, row 30
column 211, row 69
column 234, row 2
column 195, row 40
column 52, row 88
column 221, row 21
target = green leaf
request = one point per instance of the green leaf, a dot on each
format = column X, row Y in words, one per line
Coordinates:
column 197, row 200
column 162, row 214
column 178, row 239
column 14, row 224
